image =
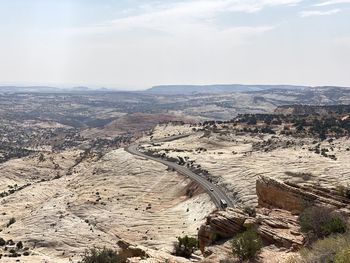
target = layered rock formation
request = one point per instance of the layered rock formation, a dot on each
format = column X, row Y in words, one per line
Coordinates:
column 275, row 226
column 221, row 224
column 276, row 218
column 295, row 197
column 279, row 227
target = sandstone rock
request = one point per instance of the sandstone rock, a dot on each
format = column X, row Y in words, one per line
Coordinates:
column 275, row 226
column 294, row 198
column 221, row 224
column 280, row 228
column 250, row 222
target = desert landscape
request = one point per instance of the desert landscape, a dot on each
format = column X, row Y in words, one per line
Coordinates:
column 70, row 182
column 182, row 131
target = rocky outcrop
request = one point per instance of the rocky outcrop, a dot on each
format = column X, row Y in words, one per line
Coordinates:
column 294, row 198
column 275, row 226
column 279, row 227
column 221, row 224
column 276, row 219
column 138, row 254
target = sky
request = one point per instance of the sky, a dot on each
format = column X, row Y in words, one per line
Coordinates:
column 136, row 44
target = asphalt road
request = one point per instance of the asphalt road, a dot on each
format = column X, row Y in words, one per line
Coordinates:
column 215, row 192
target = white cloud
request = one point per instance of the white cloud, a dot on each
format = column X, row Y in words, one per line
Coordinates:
column 333, row 2
column 184, row 41
column 186, row 20
column 318, row 12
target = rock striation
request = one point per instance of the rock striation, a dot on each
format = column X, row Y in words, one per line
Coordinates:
column 221, row 224
column 275, row 219
column 275, row 226
column 295, row 197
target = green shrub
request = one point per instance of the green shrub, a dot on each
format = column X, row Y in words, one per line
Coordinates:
column 321, row 222
column 334, row 226
column 104, row 255
column 185, row 246
column 246, row 245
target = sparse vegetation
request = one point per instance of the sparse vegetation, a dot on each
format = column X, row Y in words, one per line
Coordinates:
column 104, row 255
column 19, row 245
column 246, row 245
column 11, row 221
column 320, row 222
column 2, row 242
column 335, row 248
column 304, row 176
column 343, row 191
column 250, row 211
column 185, row 246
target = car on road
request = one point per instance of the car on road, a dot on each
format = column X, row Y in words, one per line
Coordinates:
column 211, row 190
column 223, row 203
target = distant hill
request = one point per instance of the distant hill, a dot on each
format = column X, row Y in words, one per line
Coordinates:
column 193, row 89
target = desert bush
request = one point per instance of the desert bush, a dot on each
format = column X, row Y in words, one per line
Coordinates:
column 343, row 191
column 304, row 176
column 226, row 260
column 2, row 242
column 250, row 211
column 335, row 248
column 321, row 222
column 246, row 245
column 19, row 245
column 104, row 255
column 11, row 221
column 185, row 246
column 335, row 225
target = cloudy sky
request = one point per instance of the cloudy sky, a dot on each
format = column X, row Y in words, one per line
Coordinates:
column 140, row 43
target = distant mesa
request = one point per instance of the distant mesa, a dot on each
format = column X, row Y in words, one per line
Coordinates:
column 193, row 89
column 178, row 89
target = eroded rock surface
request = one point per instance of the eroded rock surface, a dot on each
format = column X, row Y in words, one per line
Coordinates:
column 275, row 226
column 295, row 197
column 99, row 203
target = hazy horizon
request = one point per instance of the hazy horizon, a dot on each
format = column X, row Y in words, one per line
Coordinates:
column 139, row 44
column 96, row 87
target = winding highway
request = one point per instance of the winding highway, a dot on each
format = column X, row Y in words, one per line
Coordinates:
column 217, row 195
